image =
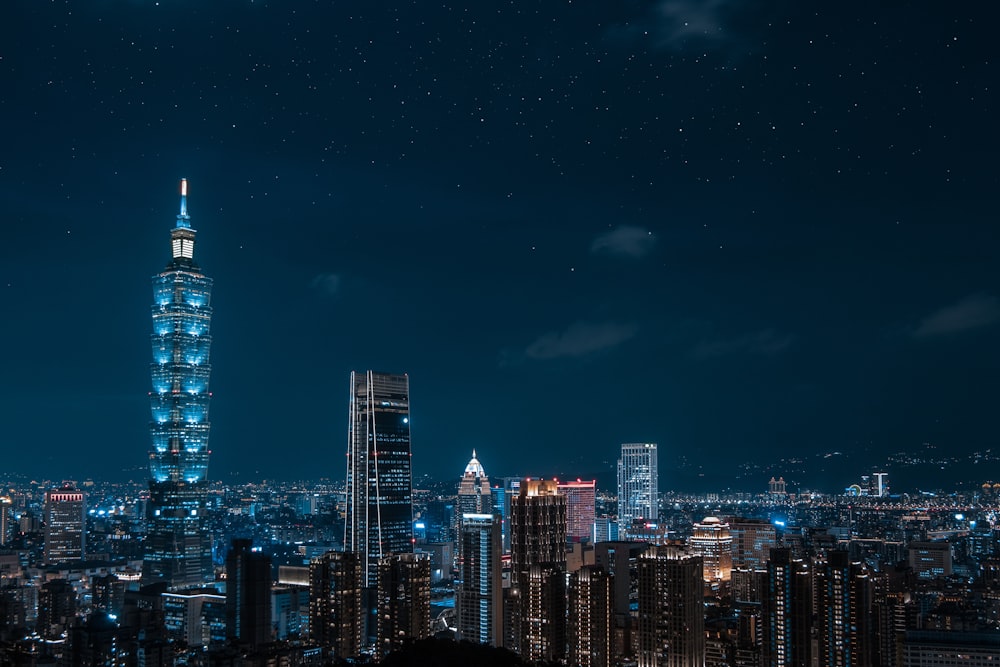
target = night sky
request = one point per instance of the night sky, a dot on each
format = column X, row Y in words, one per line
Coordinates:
column 741, row 230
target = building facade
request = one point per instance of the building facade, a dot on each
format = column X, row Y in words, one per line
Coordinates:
column 712, row 540
column 538, row 564
column 479, row 596
column 590, row 618
column 65, row 525
column 248, row 594
column 638, row 480
column 671, row 608
column 335, row 595
column 379, row 517
column 404, row 601
column 581, row 502
column 787, row 612
column 179, row 549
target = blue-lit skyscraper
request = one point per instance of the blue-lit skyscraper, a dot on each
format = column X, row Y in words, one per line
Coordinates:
column 178, row 545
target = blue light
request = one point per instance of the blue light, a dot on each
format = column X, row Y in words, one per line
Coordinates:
column 406, row 420
column 779, row 523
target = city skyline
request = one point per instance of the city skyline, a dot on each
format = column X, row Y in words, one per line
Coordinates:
column 739, row 232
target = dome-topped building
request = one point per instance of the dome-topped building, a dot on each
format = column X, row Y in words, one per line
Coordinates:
column 474, row 495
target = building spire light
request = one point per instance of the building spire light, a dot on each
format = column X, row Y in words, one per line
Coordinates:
column 184, row 197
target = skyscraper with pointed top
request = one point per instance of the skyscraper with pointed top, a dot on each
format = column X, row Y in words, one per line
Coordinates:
column 178, row 546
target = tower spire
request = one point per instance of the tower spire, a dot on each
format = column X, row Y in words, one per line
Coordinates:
column 184, row 220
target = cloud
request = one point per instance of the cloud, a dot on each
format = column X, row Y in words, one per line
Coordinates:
column 580, row 339
column 680, row 24
column 766, row 342
column 972, row 312
column 679, row 20
column 625, row 241
column 327, row 283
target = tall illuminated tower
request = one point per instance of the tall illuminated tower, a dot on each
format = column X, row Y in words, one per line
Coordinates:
column 178, row 549
column 638, row 482
column 379, row 479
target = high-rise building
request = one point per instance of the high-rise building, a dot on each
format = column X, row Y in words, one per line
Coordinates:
column 538, row 565
column 196, row 616
column 179, row 547
column 581, row 501
column 65, row 532
column 248, row 594
column 712, row 540
column 638, row 482
column 474, row 496
column 379, row 518
column 787, row 612
column 879, row 484
column 479, row 595
column 590, row 616
column 671, row 608
column 753, row 540
column 6, row 520
column 335, row 596
column 845, row 595
column 621, row 561
column 404, row 601
column 57, row 606
column 474, row 493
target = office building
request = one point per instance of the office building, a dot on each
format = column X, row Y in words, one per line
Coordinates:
column 479, row 595
column 335, row 596
column 538, row 564
column 931, row 559
column 581, row 502
column 379, row 517
column 65, row 525
column 752, row 543
column 671, row 608
column 6, row 520
column 196, row 616
column 179, row 549
column 404, row 601
column 637, row 484
column 787, row 612
column 590, row 618
column 248, row 595
column 475, row 496
column 711, row 539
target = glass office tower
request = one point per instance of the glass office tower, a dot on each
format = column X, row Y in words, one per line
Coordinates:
column 379, row 518
column 638, row 482
column 178, row 546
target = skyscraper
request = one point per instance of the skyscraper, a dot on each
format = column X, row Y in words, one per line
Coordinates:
column 671, row 608
column 637, row 483
column 248, row 594
column 335, row 596
column 474, row 493
column 787, row 611
column 179, row 550
column 538, row 565
column 479, row 598
column 845, row 594
column 65, row 535
column 5, row 520
column 404, row 601
column 581, row 500
column 711, row 539
column 379, row 518
column 590, row 615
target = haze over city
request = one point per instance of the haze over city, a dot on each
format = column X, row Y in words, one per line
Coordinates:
column 745, row 233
